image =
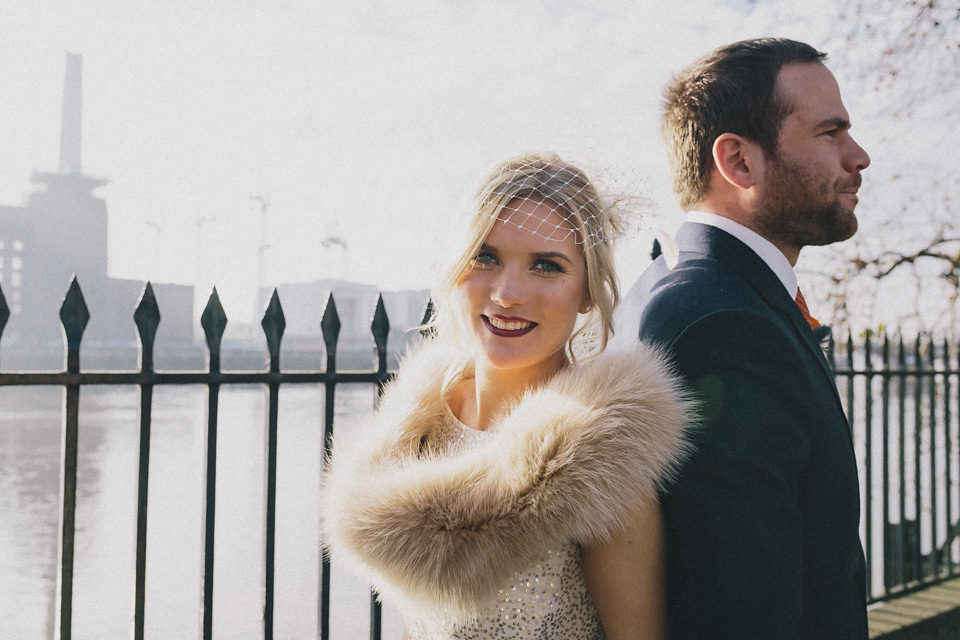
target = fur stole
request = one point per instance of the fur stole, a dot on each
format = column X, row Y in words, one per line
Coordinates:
column 564, row 464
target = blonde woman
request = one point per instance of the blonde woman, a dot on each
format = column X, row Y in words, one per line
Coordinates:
column 507, row 485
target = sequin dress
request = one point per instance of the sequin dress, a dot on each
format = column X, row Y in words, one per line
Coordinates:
column 546, row 600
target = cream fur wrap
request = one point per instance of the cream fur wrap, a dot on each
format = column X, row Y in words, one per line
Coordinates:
column 563, row 465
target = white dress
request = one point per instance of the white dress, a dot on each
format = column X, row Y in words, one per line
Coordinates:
column 547, row 600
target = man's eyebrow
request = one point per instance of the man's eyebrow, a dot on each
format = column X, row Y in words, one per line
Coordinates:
column 829, row 123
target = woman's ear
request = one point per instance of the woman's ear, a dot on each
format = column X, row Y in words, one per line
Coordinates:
column 586, row 305
column 734, row 158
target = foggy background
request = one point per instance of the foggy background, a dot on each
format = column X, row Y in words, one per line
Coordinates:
column 252, row 144
column 362, row 122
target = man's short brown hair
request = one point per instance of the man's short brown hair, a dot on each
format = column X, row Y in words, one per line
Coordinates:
column 731, row 90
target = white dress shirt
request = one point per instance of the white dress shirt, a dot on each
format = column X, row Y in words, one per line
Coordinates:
column 769, row 253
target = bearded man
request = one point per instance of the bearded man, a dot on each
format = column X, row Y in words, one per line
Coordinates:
column 762, row 524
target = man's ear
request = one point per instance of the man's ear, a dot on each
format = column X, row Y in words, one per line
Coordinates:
column 734, row 158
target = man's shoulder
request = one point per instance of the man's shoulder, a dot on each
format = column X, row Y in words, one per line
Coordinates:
column 675, row 299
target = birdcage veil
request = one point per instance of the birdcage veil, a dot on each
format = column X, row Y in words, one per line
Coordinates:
column 588, row 212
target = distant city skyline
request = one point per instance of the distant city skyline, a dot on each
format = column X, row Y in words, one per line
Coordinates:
column 358, row 125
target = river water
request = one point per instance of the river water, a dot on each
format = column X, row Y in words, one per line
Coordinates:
column 30, row 433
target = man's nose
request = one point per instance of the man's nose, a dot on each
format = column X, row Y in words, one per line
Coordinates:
column 855, row 159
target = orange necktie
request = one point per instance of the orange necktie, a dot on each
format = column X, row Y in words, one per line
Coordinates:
column 802, row 304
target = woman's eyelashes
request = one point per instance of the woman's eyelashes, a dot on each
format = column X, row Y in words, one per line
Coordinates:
column 545, row 266
column 484, row 259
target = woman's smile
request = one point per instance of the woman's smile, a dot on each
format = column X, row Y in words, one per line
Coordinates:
column 508, row 327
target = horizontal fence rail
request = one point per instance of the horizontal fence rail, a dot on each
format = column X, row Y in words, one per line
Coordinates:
column 901, row 400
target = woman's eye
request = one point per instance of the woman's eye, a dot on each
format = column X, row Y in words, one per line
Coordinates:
column 484, row 259
column 547, row 266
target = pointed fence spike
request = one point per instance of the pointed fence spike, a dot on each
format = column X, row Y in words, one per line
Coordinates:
column 428, row 312
column 868, row 351
column 147, row 317
column 74, row 314
column 427, row 331
column 330, row 327
column 330, row 324
column 214, row 322
column 4, row 311
column 380, row 327
column 273, row 324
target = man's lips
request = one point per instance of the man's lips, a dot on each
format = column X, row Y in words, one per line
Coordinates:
column 508, row 327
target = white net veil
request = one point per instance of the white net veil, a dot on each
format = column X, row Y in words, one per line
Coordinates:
column 588, row 211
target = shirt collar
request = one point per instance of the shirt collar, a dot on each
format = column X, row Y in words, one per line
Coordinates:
column 769, row 253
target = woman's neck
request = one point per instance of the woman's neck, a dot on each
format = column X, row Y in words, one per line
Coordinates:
column 480, row 399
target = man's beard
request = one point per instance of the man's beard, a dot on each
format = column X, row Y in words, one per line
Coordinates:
column 797, row 208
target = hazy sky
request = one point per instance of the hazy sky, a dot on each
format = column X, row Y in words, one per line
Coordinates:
column 359, row 119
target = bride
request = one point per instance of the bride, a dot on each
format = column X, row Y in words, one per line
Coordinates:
column 506, row 487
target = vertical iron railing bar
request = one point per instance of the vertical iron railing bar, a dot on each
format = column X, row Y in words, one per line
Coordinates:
column 210, row 501
column 380, row 327
column 948, row 454
column 147, row 318
column 214, row 322
column 269, row 568
column 4, row 312
column 146, row 410
column 851, row 377
column 917, row 473
column 74, row 317
column 273, row 324
column 885, row 408
column 868, row 441
column 330, row 328
column 68, row 500
column 932, row 430
column 902, row 417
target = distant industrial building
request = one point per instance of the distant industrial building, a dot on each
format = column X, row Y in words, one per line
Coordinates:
column 61, row 231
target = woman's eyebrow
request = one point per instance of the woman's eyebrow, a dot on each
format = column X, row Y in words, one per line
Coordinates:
column 553, row 254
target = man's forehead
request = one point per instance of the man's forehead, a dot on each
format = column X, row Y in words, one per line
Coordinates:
column 813, row 94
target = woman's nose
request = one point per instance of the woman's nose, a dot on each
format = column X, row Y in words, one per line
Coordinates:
column 508, row 289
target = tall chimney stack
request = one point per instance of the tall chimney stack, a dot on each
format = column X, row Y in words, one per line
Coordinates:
column 71, row 118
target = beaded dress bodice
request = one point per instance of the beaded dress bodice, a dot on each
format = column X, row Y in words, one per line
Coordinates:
column 546, row 600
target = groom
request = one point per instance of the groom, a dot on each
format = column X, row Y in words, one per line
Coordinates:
column 762, row 524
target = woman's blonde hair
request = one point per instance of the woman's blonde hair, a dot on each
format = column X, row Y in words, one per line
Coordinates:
column 544, row 177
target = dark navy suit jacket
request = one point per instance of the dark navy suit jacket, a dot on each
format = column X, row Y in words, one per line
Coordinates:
column 762, row 524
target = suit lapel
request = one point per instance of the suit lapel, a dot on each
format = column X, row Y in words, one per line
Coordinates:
column 700, row 240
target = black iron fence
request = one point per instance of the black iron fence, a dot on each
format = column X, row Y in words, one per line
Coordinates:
column 902, row 402
column 74, row 316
